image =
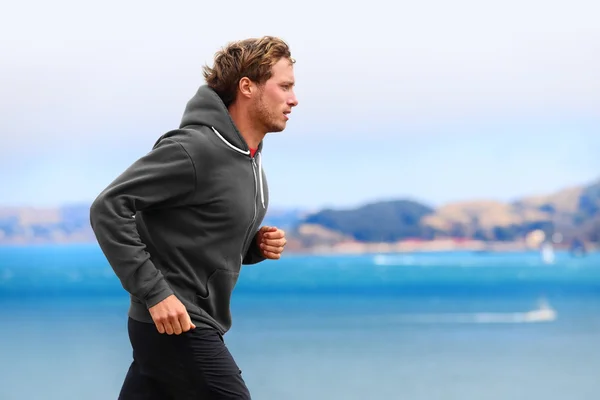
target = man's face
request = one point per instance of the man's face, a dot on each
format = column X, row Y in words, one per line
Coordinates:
column 276, row 100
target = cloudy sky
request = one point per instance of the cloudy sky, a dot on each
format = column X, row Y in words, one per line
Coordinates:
column 432, row 100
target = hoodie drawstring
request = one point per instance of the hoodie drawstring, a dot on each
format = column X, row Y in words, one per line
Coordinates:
column 262, row 195
column 246, row 152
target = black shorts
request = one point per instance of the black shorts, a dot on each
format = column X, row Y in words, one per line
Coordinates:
column 193, row 365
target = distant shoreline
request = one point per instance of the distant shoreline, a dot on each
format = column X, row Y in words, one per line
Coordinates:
column 564, row 218
column 354, row 247
column 432, row 246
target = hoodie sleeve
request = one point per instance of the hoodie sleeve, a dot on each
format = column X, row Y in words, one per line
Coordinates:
column 163, row 177
column 253, row 255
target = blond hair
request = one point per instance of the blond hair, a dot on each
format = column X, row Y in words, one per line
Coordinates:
column 252, row 58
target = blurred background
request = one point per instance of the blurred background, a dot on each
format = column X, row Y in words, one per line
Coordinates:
column 439, row 184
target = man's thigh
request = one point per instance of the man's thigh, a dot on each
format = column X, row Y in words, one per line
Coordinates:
column 212, row 367
column 193, row 365
column 139, row 386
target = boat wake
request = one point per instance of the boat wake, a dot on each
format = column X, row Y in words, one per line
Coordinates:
column 544, row 313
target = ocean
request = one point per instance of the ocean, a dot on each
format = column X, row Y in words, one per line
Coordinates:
column 421, row 326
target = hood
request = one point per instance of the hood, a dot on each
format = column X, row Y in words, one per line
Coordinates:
column 206, row 108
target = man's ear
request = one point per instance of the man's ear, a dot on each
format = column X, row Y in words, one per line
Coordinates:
column 246, row 87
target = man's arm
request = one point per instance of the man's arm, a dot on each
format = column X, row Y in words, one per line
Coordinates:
column 163, row 177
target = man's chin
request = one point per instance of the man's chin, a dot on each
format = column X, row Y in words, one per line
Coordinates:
column 277, row 129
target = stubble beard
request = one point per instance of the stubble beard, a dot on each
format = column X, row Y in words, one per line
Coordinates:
column 266, row 119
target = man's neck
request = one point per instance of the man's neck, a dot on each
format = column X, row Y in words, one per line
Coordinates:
column 252, row 136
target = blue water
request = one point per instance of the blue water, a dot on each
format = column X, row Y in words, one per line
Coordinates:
column 417, row 326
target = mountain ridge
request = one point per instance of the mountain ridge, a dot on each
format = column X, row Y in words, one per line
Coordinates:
column 567, row 215
column 573, row 213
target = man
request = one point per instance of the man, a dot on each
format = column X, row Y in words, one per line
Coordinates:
column 177, row 225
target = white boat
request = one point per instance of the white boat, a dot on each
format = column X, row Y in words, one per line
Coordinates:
column 547, row 253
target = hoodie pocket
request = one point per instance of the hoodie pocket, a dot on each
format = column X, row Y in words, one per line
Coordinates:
column 217, row 300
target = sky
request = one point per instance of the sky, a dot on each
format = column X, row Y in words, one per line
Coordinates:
column 435, row 101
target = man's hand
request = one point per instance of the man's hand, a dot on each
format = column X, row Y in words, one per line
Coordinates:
column 271, row 242
column 170, row 316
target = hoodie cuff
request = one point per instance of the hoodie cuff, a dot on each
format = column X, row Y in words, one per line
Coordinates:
column 253, row 255
column 158, row 293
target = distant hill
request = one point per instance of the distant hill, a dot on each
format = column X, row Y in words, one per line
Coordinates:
column 379, row 222
column 70, row 224
column 284, row 218
column 24, row 225
column 572, row 212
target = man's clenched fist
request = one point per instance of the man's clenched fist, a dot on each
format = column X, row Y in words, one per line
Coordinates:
column 271, row 241
column 171, row 316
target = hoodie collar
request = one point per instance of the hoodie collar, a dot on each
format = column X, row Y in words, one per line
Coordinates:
column 206, row 108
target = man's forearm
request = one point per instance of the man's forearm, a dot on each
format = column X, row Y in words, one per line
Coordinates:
column 119, row 240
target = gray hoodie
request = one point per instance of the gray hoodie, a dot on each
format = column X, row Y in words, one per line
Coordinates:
column 183, row 218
